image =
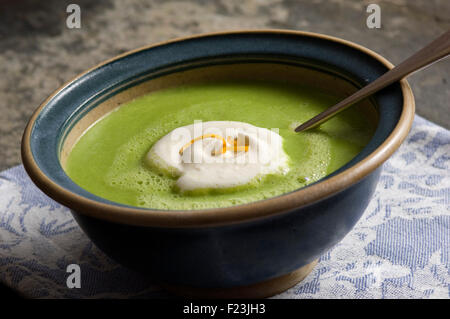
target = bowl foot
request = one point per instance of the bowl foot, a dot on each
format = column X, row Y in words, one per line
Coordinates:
column 263, row 289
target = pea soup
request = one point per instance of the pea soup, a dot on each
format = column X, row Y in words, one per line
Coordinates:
column 111, row 158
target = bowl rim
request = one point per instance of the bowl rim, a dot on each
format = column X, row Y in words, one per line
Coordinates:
column 233, row 214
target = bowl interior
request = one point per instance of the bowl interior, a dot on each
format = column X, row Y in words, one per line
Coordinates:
column 281, row 72
column 334, row 67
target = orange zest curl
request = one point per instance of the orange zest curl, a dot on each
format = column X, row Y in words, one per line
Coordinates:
column 234, row 141
column 235, row 144
column 224, row 142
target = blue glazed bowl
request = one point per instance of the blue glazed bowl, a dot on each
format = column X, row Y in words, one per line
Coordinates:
column 251, row 250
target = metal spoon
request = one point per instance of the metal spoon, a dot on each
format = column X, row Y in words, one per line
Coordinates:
column 436, row 50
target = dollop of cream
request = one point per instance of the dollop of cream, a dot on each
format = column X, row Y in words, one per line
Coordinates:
column 219, row 154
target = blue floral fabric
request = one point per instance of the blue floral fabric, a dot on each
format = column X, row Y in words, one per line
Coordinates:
column 400, row 248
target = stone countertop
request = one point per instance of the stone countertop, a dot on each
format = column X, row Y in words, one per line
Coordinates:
column 38, row 53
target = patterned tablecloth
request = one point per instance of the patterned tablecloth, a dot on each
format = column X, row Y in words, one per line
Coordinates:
column 400, row 248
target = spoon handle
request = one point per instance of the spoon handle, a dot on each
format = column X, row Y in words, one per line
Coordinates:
column 433, row 52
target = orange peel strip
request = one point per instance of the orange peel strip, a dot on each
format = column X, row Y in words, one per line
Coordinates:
column 235, row 148
column 224, row 142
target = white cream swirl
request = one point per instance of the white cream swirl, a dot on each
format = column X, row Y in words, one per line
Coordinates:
column 219, row 154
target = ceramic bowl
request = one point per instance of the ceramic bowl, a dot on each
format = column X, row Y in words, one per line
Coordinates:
column 252, row 250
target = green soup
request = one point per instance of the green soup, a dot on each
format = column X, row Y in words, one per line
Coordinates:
column 109, row 159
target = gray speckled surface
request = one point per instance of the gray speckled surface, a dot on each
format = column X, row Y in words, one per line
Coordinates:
column 38, row 53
